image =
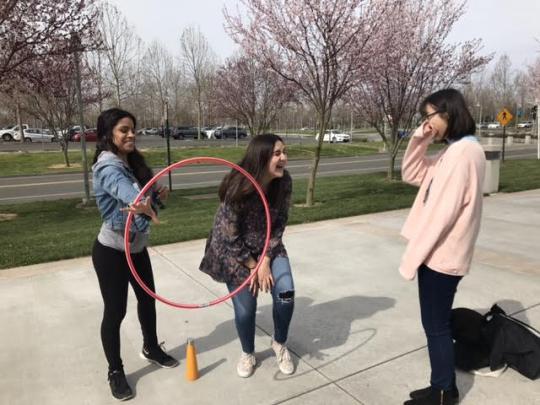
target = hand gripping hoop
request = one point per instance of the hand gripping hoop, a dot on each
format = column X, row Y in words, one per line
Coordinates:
column 177, row 165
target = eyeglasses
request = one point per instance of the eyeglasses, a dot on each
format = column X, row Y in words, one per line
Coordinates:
column 426, row 117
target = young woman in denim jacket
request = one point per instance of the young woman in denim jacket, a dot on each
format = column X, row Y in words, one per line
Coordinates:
column 237, row 240
column 119, row 173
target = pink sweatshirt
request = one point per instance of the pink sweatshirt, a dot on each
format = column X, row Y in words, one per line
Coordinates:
column 444, row 220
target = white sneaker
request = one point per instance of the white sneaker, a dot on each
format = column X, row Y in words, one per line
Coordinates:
column 246, row 365
column 284, row 360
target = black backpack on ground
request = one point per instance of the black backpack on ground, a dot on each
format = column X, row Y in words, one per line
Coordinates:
column 513, row 343
column 471, row 348
column 495, row 339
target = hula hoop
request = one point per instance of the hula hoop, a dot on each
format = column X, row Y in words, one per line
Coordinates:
column 182, row 163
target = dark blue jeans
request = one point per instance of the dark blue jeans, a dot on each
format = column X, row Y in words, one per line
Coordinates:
column 245, row 306
column 437, row 291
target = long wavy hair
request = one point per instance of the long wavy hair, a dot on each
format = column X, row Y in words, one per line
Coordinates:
column 236, row 188
column 106, row 122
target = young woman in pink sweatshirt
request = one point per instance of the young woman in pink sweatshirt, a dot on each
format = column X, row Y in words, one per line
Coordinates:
column 442, row 227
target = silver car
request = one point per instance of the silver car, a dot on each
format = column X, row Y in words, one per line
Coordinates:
column 35, row 135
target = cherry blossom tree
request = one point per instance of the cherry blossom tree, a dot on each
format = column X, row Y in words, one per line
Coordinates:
column 35, row 29
column 30, row 29
column 50, row 94
column 249, row 92
column 413, row 59
column 318, row 46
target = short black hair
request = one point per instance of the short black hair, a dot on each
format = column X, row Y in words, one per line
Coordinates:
column 452, row 103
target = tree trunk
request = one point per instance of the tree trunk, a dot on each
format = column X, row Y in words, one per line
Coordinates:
column 117, row 89
column 100, row 84
column 391, row 164
column 64, row 145
column 310, row 193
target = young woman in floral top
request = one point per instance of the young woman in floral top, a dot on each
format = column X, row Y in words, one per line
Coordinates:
column 237, row 240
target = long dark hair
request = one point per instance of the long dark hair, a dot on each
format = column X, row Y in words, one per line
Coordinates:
column 450, row 102
column 106, row 122
column 235, row 188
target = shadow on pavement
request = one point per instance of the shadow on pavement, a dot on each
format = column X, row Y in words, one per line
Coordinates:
column 314, row 329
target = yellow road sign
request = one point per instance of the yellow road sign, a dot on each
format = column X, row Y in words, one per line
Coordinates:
column 504, row 117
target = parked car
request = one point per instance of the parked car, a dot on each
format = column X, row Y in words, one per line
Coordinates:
column 73, row 130
column 210, row 131
column 482, row 125
column 334, row 135
column 494, row 125
column 35, row 135
column 230, row 132
column 148, row 131
column 185, row 132
column 8, row 134
column 91, row 135
column 525, row 124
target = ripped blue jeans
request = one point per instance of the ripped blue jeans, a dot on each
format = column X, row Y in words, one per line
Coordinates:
column 245, row 306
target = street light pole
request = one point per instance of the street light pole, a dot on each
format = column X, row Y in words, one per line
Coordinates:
column 236, row 133
column 167, row 134
column 479, row 118
column 537, row 131
column 351, row 123
column 77, row 44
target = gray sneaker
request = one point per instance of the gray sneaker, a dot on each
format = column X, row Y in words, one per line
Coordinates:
column 283, row 357
column 246, row 365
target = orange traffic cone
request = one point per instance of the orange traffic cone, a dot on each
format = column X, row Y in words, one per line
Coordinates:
column 192, row 370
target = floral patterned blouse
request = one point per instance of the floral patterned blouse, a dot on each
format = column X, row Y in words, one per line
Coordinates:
column 238, row 233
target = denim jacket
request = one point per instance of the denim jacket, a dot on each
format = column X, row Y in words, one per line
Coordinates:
column 115, row 187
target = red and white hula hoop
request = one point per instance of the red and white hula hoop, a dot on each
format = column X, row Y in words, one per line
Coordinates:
column 182, row 163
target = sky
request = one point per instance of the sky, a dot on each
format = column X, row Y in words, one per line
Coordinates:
column 505, row 26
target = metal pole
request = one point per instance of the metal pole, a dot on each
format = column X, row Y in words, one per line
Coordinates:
column 236, row 133
column 503, row 142
column 86, row 198
column 351, row 123
column 537, row 132
column 479, row 119
column 167, row 134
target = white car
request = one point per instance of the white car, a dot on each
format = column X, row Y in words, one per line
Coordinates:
column 148, row 131
column 525, row 124
column 334, row 135
column 9, row 134
column 494, row 125
column 35, row 135
column 210, row 132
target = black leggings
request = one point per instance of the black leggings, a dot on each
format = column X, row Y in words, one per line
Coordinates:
column 114, row 275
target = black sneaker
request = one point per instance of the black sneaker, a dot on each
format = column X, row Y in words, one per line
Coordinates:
column 120, row 388
column 157, row 356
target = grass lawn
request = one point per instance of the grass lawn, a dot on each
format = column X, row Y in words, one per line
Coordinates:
column 25, row 163
column 45, row 231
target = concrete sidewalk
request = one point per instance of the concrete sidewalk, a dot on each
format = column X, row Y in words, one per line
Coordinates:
column 356, row 333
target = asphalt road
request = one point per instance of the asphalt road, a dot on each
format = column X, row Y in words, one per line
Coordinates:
column 145, row 142
column 58, row 186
